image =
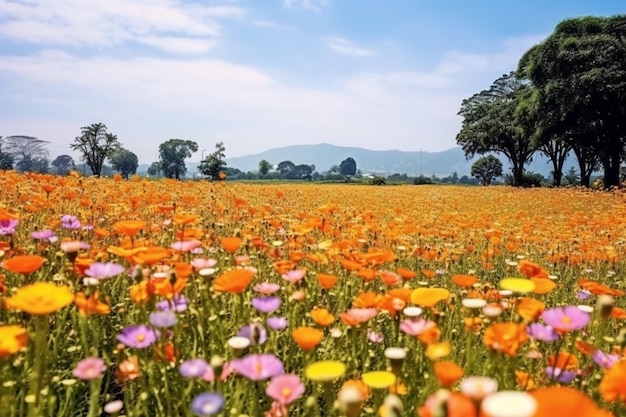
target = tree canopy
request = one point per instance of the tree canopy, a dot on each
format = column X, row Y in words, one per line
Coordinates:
column 347, row 167
column 486, row 169
column 95, row 145
column 579, row 75
column 172, row 155
column 63, row 164
column 125, row 162
column 214, row 164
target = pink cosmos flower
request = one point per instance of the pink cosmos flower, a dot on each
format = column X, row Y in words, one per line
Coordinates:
column 285, row 389
column 415, row 327
column 201, row 263
column 266, row 288
column 294, row 276
column 89, row 368
column 186, row 245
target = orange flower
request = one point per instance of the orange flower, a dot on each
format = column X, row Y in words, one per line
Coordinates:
column 184, row 219
column 322, row 317
column 524, row 380
column 40, row 298
column 585, row 348
column 447, row 373
column 358, row 386
column 531, row 269
column 506, row 338
column 613, row 384
column 91, row 305
column 367, row 299
column 597, row 288
column 456, row 405
column 543, row 285
column 564, row 360
column 150, row 255
column 164, row 286
column 326, row 281
column 390, row 278
column 230, row 244
column 24, row 264
column 307, row 337
column 406, row 274
column 12, row 339
column 283, row 266
column 127, row 370
column 234, row 281
column 139, row 292
column 464, row 280
column 565, row 401
column 129, row 227
column 530, row 308
column 430, row 335
column 367, row 274
column 618, row 313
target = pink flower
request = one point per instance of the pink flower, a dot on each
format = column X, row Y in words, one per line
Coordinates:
column 186, row 245
column 242, row 260
column 294, row 276
column 89, row 368
column 266, row 288
column 416, row 327
column 356, row 316
column 201, row 263
column 285, row 389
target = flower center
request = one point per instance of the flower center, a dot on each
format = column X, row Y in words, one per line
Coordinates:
column 566, row 320
column 286, row 392
column 141, row 337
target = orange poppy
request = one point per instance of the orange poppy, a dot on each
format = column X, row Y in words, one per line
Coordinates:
column 563, row 360
column 284, row 266
column 597, row 288
column 456, row 405
column 139, row 292
column 429, row 273
column 150, row 255
column 524, row 380
column 465, row 281
column 447, row 373
column 613, row 384
column 307, row 337
column 129, row 227
column 366, row 274
column 390, row 278
column 565, row 401
column 182, row 219
column 367, row 299
column 322, row 317
column 406, row 274
column 92, row 304
column 530, row 308
column 531, row 269
column 326, row 281
column 543, row 285
column 356, row 385
column 506, row 337
column 12, row 339
column 585, row 348
column 618, row 313
column 24, row 264
column 234, row 281
column 230, row 244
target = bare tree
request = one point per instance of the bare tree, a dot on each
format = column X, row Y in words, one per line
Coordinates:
column 95, row 145
column 25, row 149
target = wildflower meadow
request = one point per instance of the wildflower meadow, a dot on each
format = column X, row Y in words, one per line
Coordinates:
column 167, row 298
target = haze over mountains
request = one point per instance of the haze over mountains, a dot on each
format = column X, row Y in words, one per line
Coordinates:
column 324, row 155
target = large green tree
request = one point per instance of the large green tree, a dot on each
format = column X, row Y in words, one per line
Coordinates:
column 264, row 166
column 125, row 162
column 490, row 124
column 347, row 167
column 172, row 155
column 95, row 145
column 63, row 164
column 579, row 72
column 214, row 164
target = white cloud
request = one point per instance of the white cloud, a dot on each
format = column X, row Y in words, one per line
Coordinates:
column 179, row 45
column 113, row 22
column 347, row 47
column 316, row 6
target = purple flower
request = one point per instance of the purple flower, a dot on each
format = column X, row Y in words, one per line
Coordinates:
column 374, row 337
column 70, row 222
column 253, row 332
column 178, row 303
column 44, row 235
column 89, row 368
column 102, row 270
column 542, row 332
column 207, row 404
column 7, row 226
column 562, row 376
column 277, row 323
column 603, row 359
column 163, row 319
column 566, row 319
column 266, row 304
column 193, row 368
column 583, row 294
column 138, row 336
column 258, row 367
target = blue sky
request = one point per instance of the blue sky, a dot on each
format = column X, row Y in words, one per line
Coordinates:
column 258, row 74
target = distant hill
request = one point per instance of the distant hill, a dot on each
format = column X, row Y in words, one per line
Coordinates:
column 324, row 155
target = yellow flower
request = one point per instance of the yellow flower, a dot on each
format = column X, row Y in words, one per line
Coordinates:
column 12, row 339
column 323, row 371
column 518, row 285
column 40, row 298
column 439, row 350
column 379, row 379
column 428, row 297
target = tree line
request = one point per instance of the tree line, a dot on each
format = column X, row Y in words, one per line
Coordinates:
column 567, row 96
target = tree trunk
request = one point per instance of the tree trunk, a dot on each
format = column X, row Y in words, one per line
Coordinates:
column 611, row 164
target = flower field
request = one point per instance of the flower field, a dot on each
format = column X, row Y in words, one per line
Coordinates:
column 166, row 298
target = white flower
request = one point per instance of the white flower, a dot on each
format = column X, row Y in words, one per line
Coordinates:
column 509, row 404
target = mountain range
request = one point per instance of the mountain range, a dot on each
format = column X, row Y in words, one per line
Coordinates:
column 412, row 163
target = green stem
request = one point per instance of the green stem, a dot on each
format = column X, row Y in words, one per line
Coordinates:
column 94, row 399
column 39, row 365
